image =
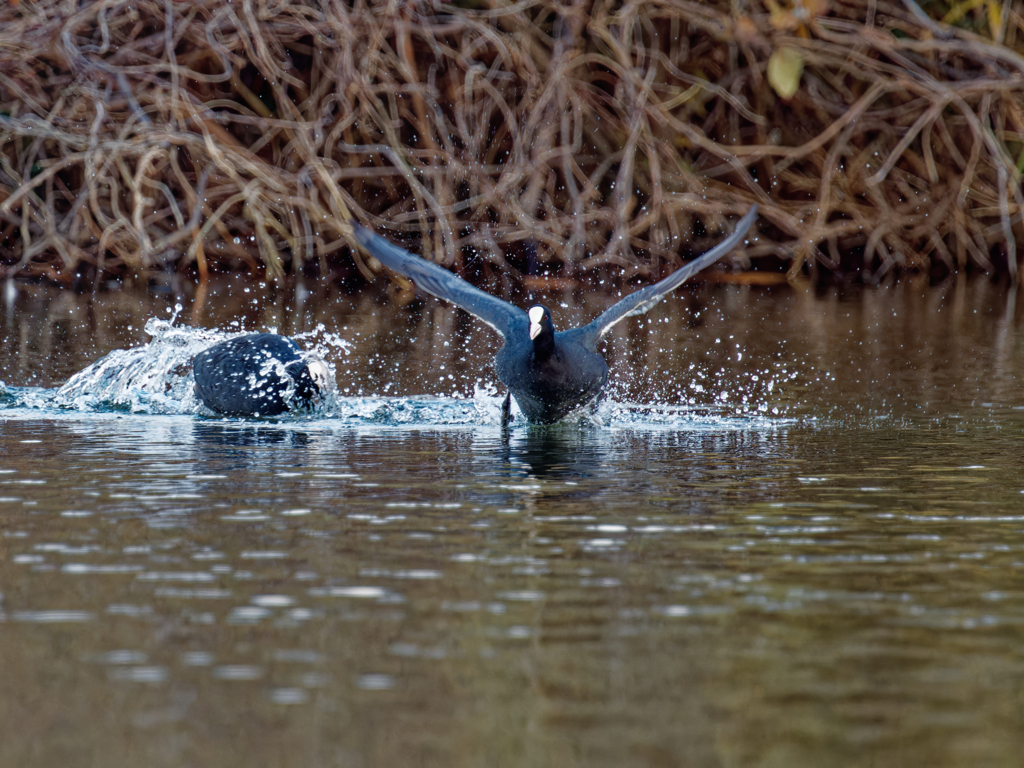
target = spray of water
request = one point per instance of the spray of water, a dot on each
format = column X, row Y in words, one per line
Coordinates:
column 156, row 378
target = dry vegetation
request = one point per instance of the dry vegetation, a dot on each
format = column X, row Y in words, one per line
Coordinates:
column 500, row 136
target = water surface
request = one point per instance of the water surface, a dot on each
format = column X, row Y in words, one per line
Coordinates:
column 794, row 535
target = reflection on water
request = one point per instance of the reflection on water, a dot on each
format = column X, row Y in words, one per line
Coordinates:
column 560, row 451
column 676, row 583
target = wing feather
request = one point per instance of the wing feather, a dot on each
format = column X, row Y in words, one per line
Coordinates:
column 645, row 299
column 437, row 281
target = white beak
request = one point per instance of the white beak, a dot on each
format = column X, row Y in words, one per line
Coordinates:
column 536, row 315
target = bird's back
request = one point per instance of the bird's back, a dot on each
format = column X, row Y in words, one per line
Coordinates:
column 245, row 376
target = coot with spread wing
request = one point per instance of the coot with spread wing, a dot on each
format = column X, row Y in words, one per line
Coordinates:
column 551, row 374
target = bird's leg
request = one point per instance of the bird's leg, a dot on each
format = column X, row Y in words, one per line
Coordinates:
column 506, row 412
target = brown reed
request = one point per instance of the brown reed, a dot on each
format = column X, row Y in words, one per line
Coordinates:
column 247, row 134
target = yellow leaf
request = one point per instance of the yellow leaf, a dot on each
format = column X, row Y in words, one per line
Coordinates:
column 785, row 67
column 995, row 20
column 960, row 10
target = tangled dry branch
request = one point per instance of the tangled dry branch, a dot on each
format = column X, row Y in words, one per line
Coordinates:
column 570, row 136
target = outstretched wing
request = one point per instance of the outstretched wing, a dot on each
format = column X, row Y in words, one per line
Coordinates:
column 437, row 281
column 646, row 298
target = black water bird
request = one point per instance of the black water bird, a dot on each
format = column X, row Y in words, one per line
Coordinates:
column 261, row 374
column 550, row 374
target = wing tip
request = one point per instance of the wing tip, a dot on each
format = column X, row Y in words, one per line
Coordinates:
column 363, row 235
column 748, row 219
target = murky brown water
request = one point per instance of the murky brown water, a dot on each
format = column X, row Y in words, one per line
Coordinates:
column 704, row 584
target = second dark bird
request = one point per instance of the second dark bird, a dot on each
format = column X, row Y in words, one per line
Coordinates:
column 260, row 374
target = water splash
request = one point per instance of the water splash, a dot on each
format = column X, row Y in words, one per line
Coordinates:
column 153, row 378
column 157, row 377
column 373, row 413
column 322, row 343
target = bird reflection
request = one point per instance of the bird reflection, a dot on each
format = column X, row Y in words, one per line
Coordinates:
column 560, row 450
column 219, row 434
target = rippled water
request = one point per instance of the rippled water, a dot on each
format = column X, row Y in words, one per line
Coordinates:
column 793, row 536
